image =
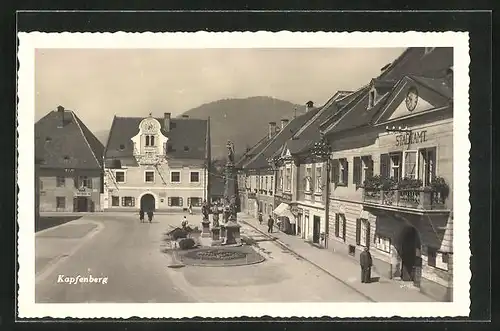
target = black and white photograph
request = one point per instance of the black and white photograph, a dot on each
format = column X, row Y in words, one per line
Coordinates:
column 243, row 174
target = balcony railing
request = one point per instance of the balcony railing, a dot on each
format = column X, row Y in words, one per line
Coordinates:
column 424, row 199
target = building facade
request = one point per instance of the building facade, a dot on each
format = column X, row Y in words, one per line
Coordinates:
column 392, row 173
column 157, row 164
column 70, row 175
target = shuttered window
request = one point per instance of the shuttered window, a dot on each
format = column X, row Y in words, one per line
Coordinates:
column 357, row 174
column 384, row 165
column 344, row 172
column 367, row 167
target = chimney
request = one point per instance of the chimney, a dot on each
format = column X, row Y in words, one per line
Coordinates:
column 309, row 105
column 272, row 129
column 60, row 110
column 166, row 121
column 284, row 122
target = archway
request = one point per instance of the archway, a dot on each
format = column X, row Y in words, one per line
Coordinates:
column 148, row 202
column 411, row 262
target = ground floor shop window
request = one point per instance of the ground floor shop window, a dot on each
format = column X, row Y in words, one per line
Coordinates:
column 382, row 243
column 194, row 202
column 175, row 201
column 115, row 201
column 437, row 259
column 128, row 202
column 61, row 202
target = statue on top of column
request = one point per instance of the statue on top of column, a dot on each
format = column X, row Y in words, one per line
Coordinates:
column 230, row 151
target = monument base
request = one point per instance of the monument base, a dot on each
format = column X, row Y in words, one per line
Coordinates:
column 205, row 229
column 232, row 233
column 215, row 233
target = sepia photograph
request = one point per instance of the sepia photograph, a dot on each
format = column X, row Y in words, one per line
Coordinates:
column 280, row 174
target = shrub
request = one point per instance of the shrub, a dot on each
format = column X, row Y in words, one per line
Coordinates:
column 186, row 243
column 439, row 185
column 178, row 234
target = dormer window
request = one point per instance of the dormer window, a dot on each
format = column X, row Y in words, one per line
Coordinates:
column 372, row 98
column 150, row 140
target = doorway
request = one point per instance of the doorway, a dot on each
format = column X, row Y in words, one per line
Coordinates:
column 316, row 229
column 411, row 262
column 81, row 204
column 148, row 203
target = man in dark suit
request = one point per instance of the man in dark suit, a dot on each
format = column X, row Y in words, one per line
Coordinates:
column 365, row 261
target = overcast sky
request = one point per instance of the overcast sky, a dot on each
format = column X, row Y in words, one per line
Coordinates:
column 98, row 84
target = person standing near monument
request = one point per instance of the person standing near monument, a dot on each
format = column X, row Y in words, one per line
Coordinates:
column 365, row 261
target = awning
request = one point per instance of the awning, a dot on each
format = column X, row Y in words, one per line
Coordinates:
column 287, row 213
column 281, row 208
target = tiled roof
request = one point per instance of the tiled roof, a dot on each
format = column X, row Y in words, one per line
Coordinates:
column 439, row 85
column 414, row 61
column 187, row 138
column 261, row 160
column 71, row 145
column 254, row 150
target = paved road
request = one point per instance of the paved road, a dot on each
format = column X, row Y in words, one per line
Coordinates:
column 129, row 254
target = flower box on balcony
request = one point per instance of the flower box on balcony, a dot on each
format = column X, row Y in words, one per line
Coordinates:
column 416, row 198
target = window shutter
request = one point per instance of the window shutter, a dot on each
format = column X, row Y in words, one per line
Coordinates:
column 358, row 231
column 346, row 172
column 337, row 225
column 169, row 201
column 367, row 234
column 369, row 171
column 180, row 202
column 384, row 165
column 335, row 171
column 343, row 227
column 357, row 171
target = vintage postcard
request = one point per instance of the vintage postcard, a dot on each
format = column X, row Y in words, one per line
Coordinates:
column 174, row 175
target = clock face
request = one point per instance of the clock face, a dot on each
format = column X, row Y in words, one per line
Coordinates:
column 411, row 99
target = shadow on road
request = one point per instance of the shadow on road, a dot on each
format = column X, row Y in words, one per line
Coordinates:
column 51, row 221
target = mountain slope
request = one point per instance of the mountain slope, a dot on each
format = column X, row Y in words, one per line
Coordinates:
column 243, row 121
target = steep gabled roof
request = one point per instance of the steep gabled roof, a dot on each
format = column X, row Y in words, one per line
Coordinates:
column 261, row 160
column 187, row 138
column 63, row 141
column 254, row 150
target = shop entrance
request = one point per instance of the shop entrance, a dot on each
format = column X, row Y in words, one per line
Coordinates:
column 411, row 262
column 81, row 204
column 148, row 202
column 316, row 229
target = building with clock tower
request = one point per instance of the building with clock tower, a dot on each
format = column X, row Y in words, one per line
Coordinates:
column 156, row 163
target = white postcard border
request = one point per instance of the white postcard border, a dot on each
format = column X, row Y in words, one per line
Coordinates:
column 28, row 42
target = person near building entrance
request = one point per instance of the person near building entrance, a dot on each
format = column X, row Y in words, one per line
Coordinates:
column 365, row 260
column 270, row 223
column 141, row 215
column 150, row 216
column 260, row 218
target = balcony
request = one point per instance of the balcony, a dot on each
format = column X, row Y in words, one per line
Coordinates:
column 414, row 198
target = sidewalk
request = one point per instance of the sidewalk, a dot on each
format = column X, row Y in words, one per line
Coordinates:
column 341, row 267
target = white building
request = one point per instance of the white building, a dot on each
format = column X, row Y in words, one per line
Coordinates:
column 156, row 163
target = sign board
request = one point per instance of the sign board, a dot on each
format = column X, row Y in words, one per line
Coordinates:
column 83, row 192
column 411, row 138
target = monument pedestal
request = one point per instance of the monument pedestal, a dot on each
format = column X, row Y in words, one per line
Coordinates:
column 205, row 228
column 232, row 233
column 216, row 240
column 223, row 231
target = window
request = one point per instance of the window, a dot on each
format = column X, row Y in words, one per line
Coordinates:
column 60, row 181
column 427, row 163
column 194, row 177
column 395, row 171
column 84, row 181
column 288, row 179
column 149, row 176
column 128, row 202
column 367, row 167
column 340, row 226
column 120, row 176
column 362, row 232
column 280, row 180
column 437, row 259
column 410, row 165
column 371, row 99
column 115, row 201
column 272, row 183
column 308, row 179
column 194, row 202
column 357, row 172
column 175, row 201
column 175, row 176
column 150, row 140
column 261, row 183
column 382, row 243
column 267, row 183
column 319, row 180
column 340, row 172
column 61, row 202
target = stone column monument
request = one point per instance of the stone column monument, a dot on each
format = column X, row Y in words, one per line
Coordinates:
column 230, row 198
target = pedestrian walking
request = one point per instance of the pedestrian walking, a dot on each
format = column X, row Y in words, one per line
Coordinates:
column 365, row 261
column 261, row 219
column 150, row 216
column 184, row 223
column 270, row 223
column 141, row 215
column 190, row 209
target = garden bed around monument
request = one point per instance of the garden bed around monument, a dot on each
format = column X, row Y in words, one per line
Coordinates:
column 219, row 256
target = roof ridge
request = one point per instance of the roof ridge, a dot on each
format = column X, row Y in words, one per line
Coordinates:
column 109, row 135
column 77, row 121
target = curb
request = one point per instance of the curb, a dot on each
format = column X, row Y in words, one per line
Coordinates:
column 283, row 245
